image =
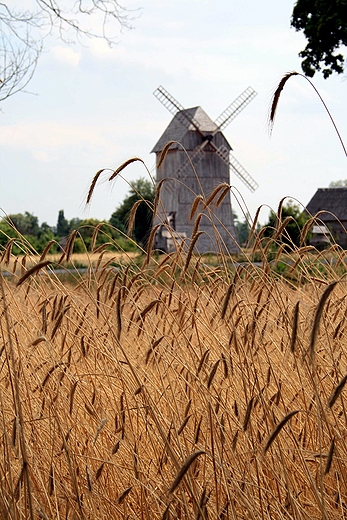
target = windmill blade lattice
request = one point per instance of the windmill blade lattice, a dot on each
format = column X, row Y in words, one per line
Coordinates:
column 242, row 174
column 175, row 107
column 223, row 153
column 195, row 157
column 186, row 166
column 167, row 100
column 235, row 108
column 221, row 122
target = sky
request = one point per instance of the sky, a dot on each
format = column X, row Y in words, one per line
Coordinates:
column 90, row 107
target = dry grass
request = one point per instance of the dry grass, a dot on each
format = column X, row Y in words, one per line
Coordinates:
column 175, row 390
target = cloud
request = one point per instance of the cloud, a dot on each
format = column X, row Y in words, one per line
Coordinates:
column 208, row 57
column 50, row 142
column 41, row 156
column 53, row 142
column 48, row 135
column 66, row 55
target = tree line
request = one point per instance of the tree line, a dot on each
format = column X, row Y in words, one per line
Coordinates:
column 26, row 225
column 115, row 230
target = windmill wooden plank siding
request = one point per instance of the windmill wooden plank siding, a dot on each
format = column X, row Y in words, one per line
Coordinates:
column 333, row 203
column 185, row 182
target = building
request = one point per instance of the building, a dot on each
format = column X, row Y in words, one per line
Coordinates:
column 330, row 206
column 195, row 135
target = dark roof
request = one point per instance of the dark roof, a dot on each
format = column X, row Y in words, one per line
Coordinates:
column 179, row 126
column 333, row 200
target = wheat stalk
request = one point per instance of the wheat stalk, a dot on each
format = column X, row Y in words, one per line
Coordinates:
column 33, row 270
column 278, row 429
column 318, row 315
column 184, row 468
column 122, row 166
column 93, row 184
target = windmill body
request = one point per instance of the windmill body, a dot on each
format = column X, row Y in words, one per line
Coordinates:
column 185, row 182
column 197, row 136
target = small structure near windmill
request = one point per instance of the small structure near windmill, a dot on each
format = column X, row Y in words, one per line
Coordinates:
column 331, row 204
column 197, row 161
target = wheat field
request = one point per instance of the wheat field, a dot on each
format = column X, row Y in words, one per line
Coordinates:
column 171, row 387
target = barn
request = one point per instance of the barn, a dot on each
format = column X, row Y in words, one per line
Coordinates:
column 331, row 203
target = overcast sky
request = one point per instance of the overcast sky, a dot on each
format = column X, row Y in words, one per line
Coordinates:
column 92, row 107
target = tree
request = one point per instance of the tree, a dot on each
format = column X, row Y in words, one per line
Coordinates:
column 63, row 226
column 26, row 224
column 140, row 190
column 291, row 234
column 86, row 229
column 23, row 33
column 338, row 184
column 324, row 23
column 242, row 230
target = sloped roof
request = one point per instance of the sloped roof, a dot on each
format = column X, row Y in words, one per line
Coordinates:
column 180, row 125
column 333, row 200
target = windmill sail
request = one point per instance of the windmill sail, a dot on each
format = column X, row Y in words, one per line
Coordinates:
column 242, row 174
column 167, row 100
column 235, row 108
column 222, row 121
column 175, row 107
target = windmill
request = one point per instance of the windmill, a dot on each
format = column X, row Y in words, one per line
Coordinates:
column 210, row 163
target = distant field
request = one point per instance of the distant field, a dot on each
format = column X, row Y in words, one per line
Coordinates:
column 77, row 259
column 175, row 387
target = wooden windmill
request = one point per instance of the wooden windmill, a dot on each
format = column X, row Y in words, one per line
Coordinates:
column 210, row 164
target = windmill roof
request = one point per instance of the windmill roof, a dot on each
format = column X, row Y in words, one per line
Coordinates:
column 180, row 125
column 333, row 200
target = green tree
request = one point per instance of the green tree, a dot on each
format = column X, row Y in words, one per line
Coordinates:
column 143, row 190
column 291, row 233
column 26, row 224
column 76, row 222
column 338, row 184
column 45, row 235
column 324, row 23
column 242, row 230
column 86, row 229
column 63, row 226
column 6, row 232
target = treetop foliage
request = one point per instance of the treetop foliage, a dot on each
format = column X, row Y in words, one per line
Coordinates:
column 324, row 23
column 140, row 189
column 338, row 184
column 27, row 225
column 38, row 236
column 291, row 234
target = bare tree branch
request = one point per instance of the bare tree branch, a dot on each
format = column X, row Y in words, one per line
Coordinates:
column 22, row 33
